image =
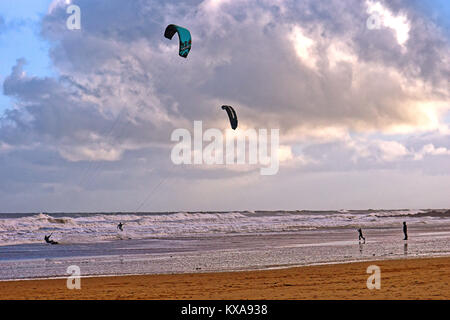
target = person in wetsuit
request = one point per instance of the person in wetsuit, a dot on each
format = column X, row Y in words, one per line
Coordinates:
column 120, row 226
column 48, row 240
column 361, row 235
column 405, row 230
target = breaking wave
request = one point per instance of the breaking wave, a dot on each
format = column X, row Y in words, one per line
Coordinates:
column 89, row 227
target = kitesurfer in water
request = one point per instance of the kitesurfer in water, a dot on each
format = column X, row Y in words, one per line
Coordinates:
column 48, row 240
column 120, row 226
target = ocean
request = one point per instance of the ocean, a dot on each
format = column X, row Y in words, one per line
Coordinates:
column 180, row 242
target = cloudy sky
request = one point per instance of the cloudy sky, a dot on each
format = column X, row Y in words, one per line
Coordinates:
column 86, row 115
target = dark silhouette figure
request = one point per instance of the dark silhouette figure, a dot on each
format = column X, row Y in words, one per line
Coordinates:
column 48, row 240
column 361, row 235
column 120, row 226
column 405, row 230
column 232, row 116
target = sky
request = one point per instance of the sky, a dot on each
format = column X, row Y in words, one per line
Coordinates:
column 86, row 116
column 19, row 37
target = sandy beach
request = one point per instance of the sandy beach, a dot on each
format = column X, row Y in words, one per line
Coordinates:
column 426, row 278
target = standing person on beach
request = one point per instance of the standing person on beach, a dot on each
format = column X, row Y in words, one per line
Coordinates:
column 361, row 235
column 405, row 230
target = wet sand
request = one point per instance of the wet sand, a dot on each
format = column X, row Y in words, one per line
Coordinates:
column 426, row 278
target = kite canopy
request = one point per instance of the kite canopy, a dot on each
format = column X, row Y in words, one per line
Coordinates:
column 183, row 34
column 232, row 116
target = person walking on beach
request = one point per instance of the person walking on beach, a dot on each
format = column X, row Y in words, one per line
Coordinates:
column 120, row 226
column 405, row 230
column 361, row 235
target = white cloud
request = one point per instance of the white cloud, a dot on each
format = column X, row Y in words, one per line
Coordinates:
column 58, row 3
column 339, row 52
column 430, row 149
column 102, row 153
column 285, row 153
column 392, row 150
column 399, row 23
column 304, row 47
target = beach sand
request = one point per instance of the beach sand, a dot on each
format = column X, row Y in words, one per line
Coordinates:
column 426, row 278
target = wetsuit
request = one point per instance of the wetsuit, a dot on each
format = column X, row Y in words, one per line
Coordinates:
column 361, row 235
column 405, row 231
column 47, row 239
